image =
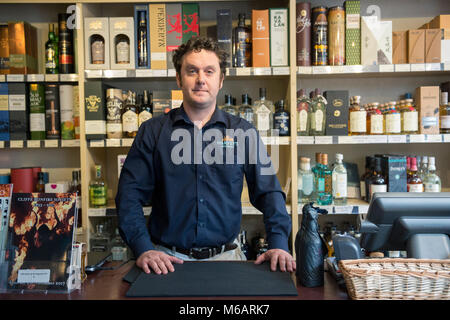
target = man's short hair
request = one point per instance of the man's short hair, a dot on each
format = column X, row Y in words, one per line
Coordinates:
column 197, row 44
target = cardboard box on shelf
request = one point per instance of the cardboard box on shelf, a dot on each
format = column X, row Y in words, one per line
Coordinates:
column 399, row 47
column 427, row 100
column 416, row 46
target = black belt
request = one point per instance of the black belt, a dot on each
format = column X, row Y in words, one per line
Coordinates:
column 201, row 253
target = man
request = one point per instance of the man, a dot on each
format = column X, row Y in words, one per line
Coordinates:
column 196, row 207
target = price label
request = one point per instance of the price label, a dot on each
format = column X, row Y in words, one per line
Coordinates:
column 403, row 67
column 342, row 209
column 51, row 143
column 432, row 66
column 2, row 144
column 70, row 143
column 262, row 71
column 91, row 74
column 305, row 140
column 321, row 70
column 338, row 69
column 396, row 139
column 127, row 142
column 97, row 212
column 386, row 68
column 436, row 138
column 96, row 143
column 16, row 144
column 416, row 138
column 376, row 139
column 304, row 70
column 159, row 73
column 71, row 77
column 113, row 142
column 2, row 78
column 418, row 67
column 115, row 73
column 446, row 137
column 281, row 71
column 35, row 78
column 34, row 143
column 345, row 140
column 353, row 69
column 171, row 72
column 243, row 71
column 52, row 77
column 15, row 78
column 323, row 139
column 370, row 69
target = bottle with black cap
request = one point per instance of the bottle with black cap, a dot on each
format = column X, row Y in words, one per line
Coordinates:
column 281, row 119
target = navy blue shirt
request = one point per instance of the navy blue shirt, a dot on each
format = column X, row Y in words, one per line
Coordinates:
column 194, row 179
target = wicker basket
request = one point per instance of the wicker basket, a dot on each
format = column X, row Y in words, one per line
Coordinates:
column 397, row 279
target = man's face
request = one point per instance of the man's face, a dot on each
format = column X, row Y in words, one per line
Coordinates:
column 200, row 79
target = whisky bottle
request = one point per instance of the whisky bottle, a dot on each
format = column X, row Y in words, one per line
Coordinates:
column 358, row 117
column 146, row 111
column 409, row 116
column 122, row 46
column 393, row 119
column 444, row 114
column 432, row 182
column 303, row 113
column 228, row 106
column 318, row 112
column 339, row 181
column 408, row 168
column 97, row 189
column 51, row 52
column 75, row 187
column 142, row 40
column 377, row 180
column 264, row 110
column 305, row 184
column 376, row 120
column 281, row 120
column 130, row 123
column 365, row 175
column 245, row 110
column 65, row 45
column 97, row 49
column 40, row 185
column 414, row 183
column 242, row 44
column 323, row 181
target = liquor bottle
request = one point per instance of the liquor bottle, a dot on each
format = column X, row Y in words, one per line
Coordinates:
column 408, row 168
column 305, row 181
column 432, row 182
column 52, row 111
column 97, row 189
column 130, row 123
column 114, row 106
column 422, row 169
column 242, row 46
column 122, row 47
column 303, row 113
column 414, row 183
column 393, row 119
column 65, row 45
column 51, row 52
column 37, row 111
column 245, row 110
column 323, row 182
column 142, row 40
column 97, row 49
column 281, row 120
column 40, row 185
column 146, row 108
column 377, row 180
column 444, row 114
column 339, row 181
column 228, row 106
column 264, row 110
column 318, row 112
column 376, row 120
column 75, row 187
column 358, row 117
column 409, row 116
column 365, row 175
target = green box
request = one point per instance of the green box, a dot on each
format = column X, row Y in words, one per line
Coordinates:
column 352, row 32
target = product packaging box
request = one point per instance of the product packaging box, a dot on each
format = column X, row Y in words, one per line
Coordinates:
column 433, row 45
column 142, row 58
column 399, row 47
column 376, row 41
column 427, row 100
column 445, row 45
column 260, row 38
column 4, row 114
column 174, row 35
column 57, row 187
column 225, row 32
column 22, row 48
column 121, row 44
column 18, row 111
column 96, row 43
column 352, row 32
column 279, row 37
column 337, row 112
column 161, row 102
column 190, row 21
column 95, row 110
column 158, row 53
column 4, row 49
column 441, row 21
column 394, row 169
column 416, row 46
column 177, row 99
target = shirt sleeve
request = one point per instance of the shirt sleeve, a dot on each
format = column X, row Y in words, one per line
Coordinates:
column 136, row 185
column 266, row 195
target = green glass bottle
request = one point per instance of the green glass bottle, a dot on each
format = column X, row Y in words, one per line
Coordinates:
column 51, row 52
column 97, row 189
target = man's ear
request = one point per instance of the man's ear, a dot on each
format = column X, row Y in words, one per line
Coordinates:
column 178, row 77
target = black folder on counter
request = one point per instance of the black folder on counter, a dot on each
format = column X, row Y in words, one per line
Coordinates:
column 212, row 278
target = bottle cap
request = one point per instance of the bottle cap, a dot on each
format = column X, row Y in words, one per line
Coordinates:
column 318, row 156
column 339, row 156
column 324, row 159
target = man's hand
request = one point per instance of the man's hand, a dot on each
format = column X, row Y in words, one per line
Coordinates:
column 278, row 257
column 157, row 261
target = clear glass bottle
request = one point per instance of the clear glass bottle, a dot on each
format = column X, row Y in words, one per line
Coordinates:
column 339, row 181
column 377, row 179
column 393, row 119
column 51, row 51
column 228, row 106
column 303, row 113
column 97, row 189
column 414, row 183
column 305, row 181
column 318, row 114
column 264, row 110
column 423, row 168
column 130, row 122
column 409, row 116
column 242, row 44
column 444, row 114
column 281, row 120
column 245, row 110
column 323, row 182
column 357, row 118
column 432, row 182
column 376, row 120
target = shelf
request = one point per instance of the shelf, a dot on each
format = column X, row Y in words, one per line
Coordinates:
column 170, row 73
column 353, row 206
column 382, row 139
column 127, row 142
column 71, row 77
column 38, row 144
column 387, row 69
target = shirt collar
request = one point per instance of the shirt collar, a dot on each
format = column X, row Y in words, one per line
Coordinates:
column 217, row 116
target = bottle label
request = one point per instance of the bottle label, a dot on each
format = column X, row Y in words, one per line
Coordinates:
column 123, row 52
column 98, row 52
column 50, row 62
column 247, row 115
column 358, row 121
column 281, row 123
column 263, row 120
column 410, row 121
column 340, row 185
column 377, row 188
column 376, row 123
column 37, row 122
column 113, row 127
column 321, row 184
column 445, row 122
column 432, row 187
column 393, row 123
column 302, row 120
column 144, row 116
column 318, row 119
column 98, row 196
column 130, row 121
column 415, row 187
column 307, row 185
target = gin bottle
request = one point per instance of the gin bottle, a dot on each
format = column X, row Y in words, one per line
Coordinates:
column 264, row 110
column 245, row 110
column 228, row 107
column 305, row 181
column 432, row 181
column 303, row 110
column 323, row 181
column 339, row 181
column 318, row 105
column 97, row 189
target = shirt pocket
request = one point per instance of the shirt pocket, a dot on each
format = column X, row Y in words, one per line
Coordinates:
column 227, row 173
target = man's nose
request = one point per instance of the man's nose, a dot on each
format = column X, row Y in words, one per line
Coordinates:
column 200, row 77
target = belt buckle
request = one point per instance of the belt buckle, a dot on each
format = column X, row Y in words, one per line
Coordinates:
column 197, row 253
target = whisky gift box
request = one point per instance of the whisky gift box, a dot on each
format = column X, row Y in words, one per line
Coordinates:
column 121, row 44
column 441, row 21
column 337, row 112
column 376, row 41
column 279, row 37
column 142, row 37
column 432, row 45
column 190, row 21
column 4, row 49
column 157, row 18
column 303, row 33
column 36, row 98
column 260, row 38
column 96, row 43
column 52, row 111
column 4, row 115
column 174, row 35
column 394, row 169
column 18, row 111
column 161, row 102
column 416, row 46
column 22, row 48
column 352, row 32
column 399, row 47
column 427, row 100
column 95, row 111
column 224, row 32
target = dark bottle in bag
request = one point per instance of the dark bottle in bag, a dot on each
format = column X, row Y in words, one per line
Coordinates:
column 310, row 248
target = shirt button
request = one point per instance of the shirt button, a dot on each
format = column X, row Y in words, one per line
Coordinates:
column 201, row 200
column 201, row 177
column 201, row 225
